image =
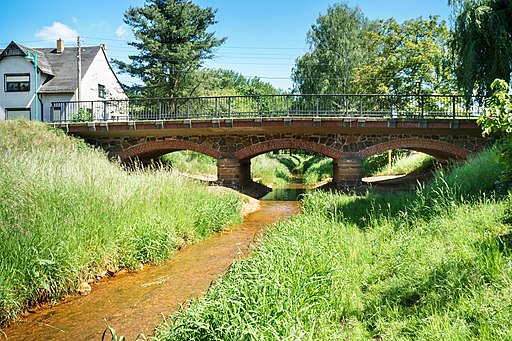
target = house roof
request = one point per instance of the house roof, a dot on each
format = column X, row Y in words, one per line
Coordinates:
column 62, row 67
column 15, row 49
column 65, row 67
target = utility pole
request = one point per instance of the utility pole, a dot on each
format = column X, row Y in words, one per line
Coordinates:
column 79, row 68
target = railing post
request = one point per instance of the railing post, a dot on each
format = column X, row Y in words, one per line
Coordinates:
column 390, row 105
column 360, row 105
column 259, row 112
column 105, row 111
column 453, row 107
column 316, row 104
column 217, row 106
column 422, row 101
column 287, row 106
column 229, row 106
column 346, row 105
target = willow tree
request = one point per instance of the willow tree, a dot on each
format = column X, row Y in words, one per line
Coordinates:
column 173, row 41
column 482, row 39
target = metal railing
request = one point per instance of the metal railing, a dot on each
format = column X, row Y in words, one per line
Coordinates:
column 344, row 105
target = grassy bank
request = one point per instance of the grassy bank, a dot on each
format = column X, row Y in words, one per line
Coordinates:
column 68, row 215
column 403, row 162
column 278, row 169
column 190, row 162
column 433, row 264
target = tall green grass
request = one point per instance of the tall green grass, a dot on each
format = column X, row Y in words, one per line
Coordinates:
column 403, row 162
column 316, row 169
column 270, row 169
column 279, row 169
column 434, row 264
column 67, row 214
column 190, row 162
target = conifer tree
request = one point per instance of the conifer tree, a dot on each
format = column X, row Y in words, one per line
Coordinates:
column 173, row 40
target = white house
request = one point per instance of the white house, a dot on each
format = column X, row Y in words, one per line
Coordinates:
column 46, row 75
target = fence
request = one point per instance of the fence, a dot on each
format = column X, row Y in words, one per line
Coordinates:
column 344, row 105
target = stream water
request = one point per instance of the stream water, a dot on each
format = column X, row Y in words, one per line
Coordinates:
column 134, row 303
column 288, row 192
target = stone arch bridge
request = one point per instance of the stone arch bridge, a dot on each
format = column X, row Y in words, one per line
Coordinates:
column 234, row 143
column 234, row 129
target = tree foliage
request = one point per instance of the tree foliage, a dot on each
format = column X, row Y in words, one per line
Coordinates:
column 173, row 40
column 336, row 47
column 411, row 57
column 497, row 120
column 222, row 82
column 482, row 39
column 351, row 54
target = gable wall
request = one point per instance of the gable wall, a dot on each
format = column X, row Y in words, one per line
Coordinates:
column 100, row 73
column 12, row 100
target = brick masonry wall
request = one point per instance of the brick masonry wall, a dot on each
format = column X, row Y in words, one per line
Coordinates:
column 242, row 147
column 233, row 152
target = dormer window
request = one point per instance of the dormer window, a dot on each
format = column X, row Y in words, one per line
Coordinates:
column 17, row 82
column 102, row 91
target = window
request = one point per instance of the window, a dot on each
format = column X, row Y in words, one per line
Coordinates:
column 17, row 114
column 102, row 92
column 17, row 83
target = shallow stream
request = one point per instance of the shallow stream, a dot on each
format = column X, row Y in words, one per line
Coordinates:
column 134, row 303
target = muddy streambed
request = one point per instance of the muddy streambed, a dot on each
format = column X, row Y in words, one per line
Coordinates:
column 134, row 303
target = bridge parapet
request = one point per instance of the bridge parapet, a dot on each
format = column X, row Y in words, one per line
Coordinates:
column 258, row 106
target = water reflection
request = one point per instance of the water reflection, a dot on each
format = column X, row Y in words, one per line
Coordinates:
column 288, row 192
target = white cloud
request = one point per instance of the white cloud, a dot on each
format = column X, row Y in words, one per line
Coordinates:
column 122, row 32
column 56, row 31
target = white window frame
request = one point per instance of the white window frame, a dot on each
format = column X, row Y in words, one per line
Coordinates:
column 22, row 79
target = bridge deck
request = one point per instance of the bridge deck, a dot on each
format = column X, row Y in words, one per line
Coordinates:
column 290, row 125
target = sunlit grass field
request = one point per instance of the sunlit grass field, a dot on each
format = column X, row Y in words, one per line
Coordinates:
column 68, row 214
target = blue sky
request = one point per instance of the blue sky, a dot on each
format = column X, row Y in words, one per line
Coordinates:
column 264, row 36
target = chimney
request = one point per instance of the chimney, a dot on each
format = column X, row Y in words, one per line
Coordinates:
column 104, row 48
column 60, row 45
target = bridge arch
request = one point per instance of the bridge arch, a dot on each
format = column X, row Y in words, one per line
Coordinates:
column 270, row 145
column 155, row 149
column 438, row 149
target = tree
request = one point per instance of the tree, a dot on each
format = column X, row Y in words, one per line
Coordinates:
column 497, row 120
column 172, row 39
column 336, row 47
column 412, row 57
column 482, row 39
column 351, row 54
column 228, row 82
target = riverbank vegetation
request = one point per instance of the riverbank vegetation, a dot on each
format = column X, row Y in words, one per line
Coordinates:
column 190, row 162
column 69, row 215
column 429, row 264
column 402, row 162
column 289, row 166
